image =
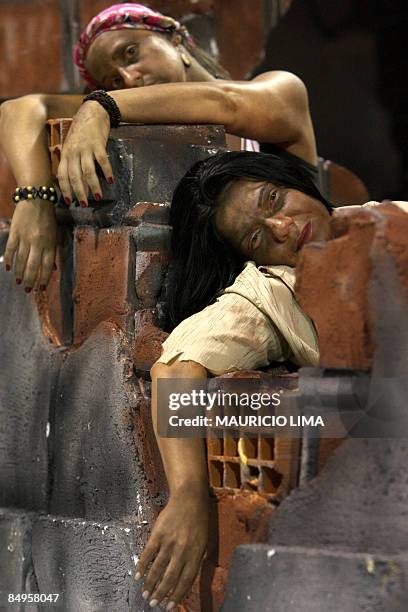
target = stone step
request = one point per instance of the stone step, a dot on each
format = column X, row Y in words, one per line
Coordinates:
column 358, row 502
column 266, row 578
column 90, row 564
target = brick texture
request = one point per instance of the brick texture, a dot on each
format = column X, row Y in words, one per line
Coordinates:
column 7, row 186
column 339, row 270
column 103, row 288
column 55, row 306
column 147, row 340
column 36, row 34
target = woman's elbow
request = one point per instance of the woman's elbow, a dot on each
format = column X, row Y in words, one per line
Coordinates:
column 32, row 103
column 6, row 111
column 177, row 369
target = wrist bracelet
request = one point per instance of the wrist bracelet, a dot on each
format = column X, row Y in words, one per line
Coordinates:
column 108, row 103
column 30, row 193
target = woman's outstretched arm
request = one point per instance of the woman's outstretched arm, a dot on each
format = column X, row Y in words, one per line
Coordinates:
column 179, row 537
column 271, row 108
column 23, row 140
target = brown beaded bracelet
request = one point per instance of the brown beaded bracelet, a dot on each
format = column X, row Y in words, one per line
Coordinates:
column 108, row 103
column 30, row 193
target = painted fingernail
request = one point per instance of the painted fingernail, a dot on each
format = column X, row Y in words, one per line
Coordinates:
column 170, row 605
column 138, row 576
column 18, row 281
column 97, row 196
column 27, row 289
column 8, row 268
column 153, row 603
column 145, row 594
column 42, row 287
column 82, row 203
column 110, row 180
column 67, row 200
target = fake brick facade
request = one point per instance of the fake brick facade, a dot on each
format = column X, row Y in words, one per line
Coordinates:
column 77, row 441
column 342, row 271
column 90, row 466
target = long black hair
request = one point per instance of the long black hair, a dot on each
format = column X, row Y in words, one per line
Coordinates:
column 202, row 264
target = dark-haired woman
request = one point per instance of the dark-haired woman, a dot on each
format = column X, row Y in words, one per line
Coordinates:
column 154, row 73
column 239, row 222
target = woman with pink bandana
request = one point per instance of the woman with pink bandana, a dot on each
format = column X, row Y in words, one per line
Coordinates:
column 124, row 49
column 153, row 73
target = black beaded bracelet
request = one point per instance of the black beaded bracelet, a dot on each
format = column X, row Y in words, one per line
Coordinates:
column 108, row 103
column 30, row 193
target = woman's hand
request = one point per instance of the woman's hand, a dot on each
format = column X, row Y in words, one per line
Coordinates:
column 85, row 143
column 176, row 548
column 32, row 243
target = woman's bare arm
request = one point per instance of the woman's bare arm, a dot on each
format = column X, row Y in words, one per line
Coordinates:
column 23, row 137
column 23, row 140
column 179, row 537
column 271, row 108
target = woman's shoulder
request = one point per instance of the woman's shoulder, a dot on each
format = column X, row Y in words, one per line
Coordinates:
column 372, row 204
column 256, row 283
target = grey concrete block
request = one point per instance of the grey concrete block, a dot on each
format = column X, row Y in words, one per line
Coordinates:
column 90, row 564
column 28, row 375
column 281, row 579
column 152, row 237
column 157, row 166
column 16, row 573
column 99, row 469
column 358, row 503
column 147, row 161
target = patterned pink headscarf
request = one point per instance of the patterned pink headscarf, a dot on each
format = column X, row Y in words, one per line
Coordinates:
column 119, row 17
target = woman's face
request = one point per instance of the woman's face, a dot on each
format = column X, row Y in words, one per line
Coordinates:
column 269, row 224
column 121, row 59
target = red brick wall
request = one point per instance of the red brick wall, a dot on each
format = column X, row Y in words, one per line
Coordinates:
column 30, row 47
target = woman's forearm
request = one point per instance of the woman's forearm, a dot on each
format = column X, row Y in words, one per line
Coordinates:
column 271, row 108
column 23, row 140
column 31, row 244
column 23, row 137
column 207, row 102
column 179, row 536
column 184, row 459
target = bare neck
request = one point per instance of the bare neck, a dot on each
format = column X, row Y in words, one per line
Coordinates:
column 196, row 72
